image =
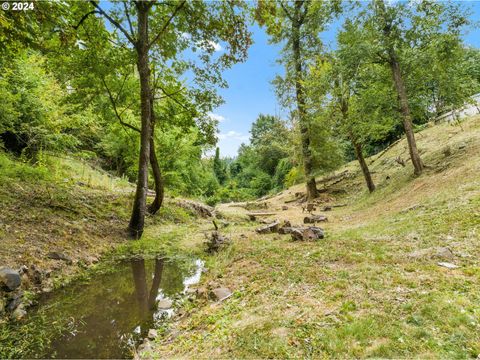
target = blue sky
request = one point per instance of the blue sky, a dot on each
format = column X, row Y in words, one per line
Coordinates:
column 249, row 94
column 250, row 91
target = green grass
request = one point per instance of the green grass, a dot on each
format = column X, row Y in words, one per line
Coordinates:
column 358, row 293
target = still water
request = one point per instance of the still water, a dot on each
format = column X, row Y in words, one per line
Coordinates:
column 109, row 315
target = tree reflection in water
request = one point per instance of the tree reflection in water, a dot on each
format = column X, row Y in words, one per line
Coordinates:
column 146, row 301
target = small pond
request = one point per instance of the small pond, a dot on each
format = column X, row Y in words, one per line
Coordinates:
column 111, row 313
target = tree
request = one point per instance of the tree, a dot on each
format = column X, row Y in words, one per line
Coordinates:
column 269, row 135
column 360, row 93
column 159, row 36
column 402, row 33
column 219, row 167
column 297, row 24
column 386, row 21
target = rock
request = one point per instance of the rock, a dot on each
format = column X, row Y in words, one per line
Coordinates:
column 165, row 304
column 216, row 242
column 220, row 294
column 310, row 233
column 152, row 334
column 284, row 207
column 312, row 219
column 14, row 302
column 9, row 279
column 269, row 228
column 19, row 313
column 447, row 265
column 55, row 255
column 444, row 253
column 201, row 293
column 309, row 208
column 35, row 275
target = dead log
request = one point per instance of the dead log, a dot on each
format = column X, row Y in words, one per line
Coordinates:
column 285, row 230
column 311, row 233
column 199, row 208
column 312, row 219
column 269, row 228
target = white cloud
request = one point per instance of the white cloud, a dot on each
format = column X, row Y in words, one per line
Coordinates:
column 211, row 44
column 233, row 135
column 217, row 117
column 216, row 46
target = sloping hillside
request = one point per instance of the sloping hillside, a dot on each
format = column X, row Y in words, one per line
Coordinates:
column 61, row 216
column 376, row 286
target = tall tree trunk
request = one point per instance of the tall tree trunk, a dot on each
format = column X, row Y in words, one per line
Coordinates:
column 300, row 95
column 357, row 146
column 157, row 173
column 407, row 118
column 137, row 219
column 399, row 87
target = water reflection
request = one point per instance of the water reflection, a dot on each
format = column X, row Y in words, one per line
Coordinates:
column 146, row 301
column 114, row 311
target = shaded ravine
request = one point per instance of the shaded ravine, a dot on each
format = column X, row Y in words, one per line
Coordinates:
column 111, row 314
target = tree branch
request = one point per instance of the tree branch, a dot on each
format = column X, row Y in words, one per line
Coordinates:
column 84, row 17
column 170, row 19
column 119, row 117
column 129, row 20
column 166, row 94
column 286, row 11
column 304, row 13
column 114, row 22
column 174, row 99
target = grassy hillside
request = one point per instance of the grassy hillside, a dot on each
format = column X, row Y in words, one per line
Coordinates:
column 373, row 286
column 65, row 205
